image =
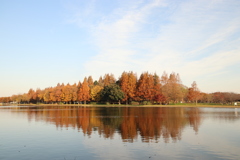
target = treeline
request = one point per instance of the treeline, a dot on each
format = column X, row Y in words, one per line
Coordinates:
column 127, row 89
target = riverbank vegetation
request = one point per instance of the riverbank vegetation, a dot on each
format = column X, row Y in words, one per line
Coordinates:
column 148, row 89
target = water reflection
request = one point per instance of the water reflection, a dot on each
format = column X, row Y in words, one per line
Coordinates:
column 112, row 130
column 130, row 122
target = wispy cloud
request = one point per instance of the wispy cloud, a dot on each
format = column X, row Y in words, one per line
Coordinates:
column 194, row 38
column 115, row 38
column 81, row 13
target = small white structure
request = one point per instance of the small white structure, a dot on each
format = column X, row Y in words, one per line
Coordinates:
column 235, row 103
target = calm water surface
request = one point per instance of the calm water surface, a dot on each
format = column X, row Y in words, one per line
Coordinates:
column 74, row 133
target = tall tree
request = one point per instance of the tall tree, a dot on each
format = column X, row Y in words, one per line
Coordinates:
column 165, row 86
column 128, row 83
column 52, row 97
column 132, row 84
column 58, row 92
column 67, row 93
column 74, row 90
column 78, row 91
column 123, row 82
column 39, row 95
column 157, row 94
column 145, row 87
column 151, row 87
column 174, row 88
column 62, row 95
column 194, row 93
column 46, row 95
column 30, row 94
column 84, row 94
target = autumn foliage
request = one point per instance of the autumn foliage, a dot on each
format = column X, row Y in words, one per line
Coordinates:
column 127, row 89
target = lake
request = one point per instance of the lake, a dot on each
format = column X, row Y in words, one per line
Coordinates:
column 141, row 133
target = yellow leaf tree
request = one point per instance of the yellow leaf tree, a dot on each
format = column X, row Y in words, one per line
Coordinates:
column 95, row 93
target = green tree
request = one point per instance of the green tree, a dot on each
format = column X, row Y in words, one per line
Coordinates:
column 112, row 93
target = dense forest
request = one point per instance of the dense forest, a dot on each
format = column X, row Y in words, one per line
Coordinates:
column 127, row 89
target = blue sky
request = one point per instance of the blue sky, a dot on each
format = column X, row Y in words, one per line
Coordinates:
column 59, row 41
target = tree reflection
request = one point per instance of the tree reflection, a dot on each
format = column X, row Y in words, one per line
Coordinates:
column 150, row 123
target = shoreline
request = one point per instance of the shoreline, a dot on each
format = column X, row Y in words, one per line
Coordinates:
column 122, row 105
